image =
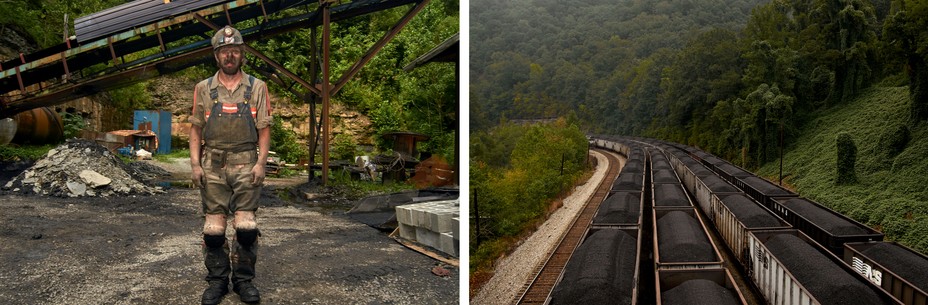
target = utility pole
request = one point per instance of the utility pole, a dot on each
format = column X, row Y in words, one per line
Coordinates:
column 781, row 153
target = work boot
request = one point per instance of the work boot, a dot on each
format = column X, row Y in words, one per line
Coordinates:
column 244, row 257
column 216, row 259
column 214, row 293
column 247, row 292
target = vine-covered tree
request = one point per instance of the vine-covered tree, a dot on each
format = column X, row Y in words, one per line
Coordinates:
column 905, row 32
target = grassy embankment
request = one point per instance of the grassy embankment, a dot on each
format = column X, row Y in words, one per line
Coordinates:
column 892, row 194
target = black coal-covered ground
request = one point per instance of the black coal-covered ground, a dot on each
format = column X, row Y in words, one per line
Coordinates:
column 826, row 219
column 717, row 185
column 665, row 176
column 680, row 238
column 825, row 280
column 670, row 195
column 764, row 186
column 904, row 263
column 749, row 212
column 601, row 271
column 632, row 167
column 628, row 182
column 732, row 170
column 619, row 208
column 699, row 292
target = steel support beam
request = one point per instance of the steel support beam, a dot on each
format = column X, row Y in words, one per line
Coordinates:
column 326, row 92
column 378, row 46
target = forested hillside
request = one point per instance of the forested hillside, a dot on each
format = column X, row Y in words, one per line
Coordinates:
column 543, row 58
column 740, row 79
column 726, row 76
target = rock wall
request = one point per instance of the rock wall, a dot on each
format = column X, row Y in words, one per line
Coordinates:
column 175, row 94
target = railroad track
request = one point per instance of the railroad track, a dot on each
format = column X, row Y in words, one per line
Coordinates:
column 537, row 290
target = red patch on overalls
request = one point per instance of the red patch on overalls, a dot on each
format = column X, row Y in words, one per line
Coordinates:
column 229, row 108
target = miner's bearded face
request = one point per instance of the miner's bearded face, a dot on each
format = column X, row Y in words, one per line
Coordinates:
column 230, row 59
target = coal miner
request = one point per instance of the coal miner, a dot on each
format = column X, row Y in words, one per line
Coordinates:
column 229, row 141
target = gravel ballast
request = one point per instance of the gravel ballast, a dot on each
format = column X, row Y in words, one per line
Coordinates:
column 825, row 280
column 620, row 208
column 601, row 271
column 905, row 264
column 751, row 214
column 680, row 238
column 670, row 195
column 826, row 219
column 699, row 292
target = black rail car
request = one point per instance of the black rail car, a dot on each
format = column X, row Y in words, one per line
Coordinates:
column 897, row 269
column 763, row 191
column 827, row 227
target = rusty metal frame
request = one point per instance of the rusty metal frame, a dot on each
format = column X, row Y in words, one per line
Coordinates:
column 264, row 58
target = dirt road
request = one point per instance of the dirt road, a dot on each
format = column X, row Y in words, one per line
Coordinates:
column 146, row 250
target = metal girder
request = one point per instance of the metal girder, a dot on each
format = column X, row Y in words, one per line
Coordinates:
column 326, row 92
column 266, row 59
column 106, row 82
column 378, row 46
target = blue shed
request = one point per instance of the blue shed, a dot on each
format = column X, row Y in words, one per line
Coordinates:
column 158, row 121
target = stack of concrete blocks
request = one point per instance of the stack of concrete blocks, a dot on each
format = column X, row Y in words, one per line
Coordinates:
column 434, row 224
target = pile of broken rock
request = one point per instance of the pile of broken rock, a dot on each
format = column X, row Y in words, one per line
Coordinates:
column 82, row 167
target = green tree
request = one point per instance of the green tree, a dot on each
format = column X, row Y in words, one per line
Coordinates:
column 905, row 31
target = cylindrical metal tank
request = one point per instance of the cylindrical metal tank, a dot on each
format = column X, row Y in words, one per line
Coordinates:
column 7, row 130
column 38, row 126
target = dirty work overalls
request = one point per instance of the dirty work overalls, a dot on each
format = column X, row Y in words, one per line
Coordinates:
column 229, row 154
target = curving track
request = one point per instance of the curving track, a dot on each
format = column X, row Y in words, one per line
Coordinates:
column 546, row 275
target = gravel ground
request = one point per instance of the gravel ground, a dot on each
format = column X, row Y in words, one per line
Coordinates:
column 147, row 250
column 513, row 271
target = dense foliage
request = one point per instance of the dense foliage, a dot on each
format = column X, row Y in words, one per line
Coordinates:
column 516, row 170
column 890, row 194
column 728, row 76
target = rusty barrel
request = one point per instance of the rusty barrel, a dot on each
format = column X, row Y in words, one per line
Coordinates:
column 38, row 126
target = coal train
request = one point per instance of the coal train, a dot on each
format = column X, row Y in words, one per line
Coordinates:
column 793, row 250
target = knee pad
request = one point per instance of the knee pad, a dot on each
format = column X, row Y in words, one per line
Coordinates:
column 214, row 241
column 246, row 238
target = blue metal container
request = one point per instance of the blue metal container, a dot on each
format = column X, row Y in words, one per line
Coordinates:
column 158, row 121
